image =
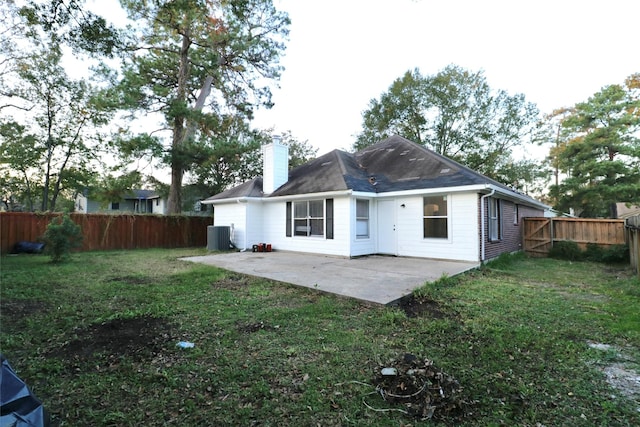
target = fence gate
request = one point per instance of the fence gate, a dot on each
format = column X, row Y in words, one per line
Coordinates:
column 538, row 236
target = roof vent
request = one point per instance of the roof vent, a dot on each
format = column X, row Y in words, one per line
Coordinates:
column 445, row 170
column 372, row 180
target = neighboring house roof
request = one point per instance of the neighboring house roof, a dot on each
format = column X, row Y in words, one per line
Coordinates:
column 625, row 211
column 141, row 194
column 394, row 164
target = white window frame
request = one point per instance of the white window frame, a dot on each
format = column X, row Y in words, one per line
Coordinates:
column 447, row 199
column 306, row 229
column 494, row 213
column 363, row 221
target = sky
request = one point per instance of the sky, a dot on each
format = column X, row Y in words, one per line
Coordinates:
column 343, row 53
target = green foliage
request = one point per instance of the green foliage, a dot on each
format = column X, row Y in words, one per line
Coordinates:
column 567, row 250
column 456, row 114
column 291, row 356
column 599, row 151
column 505, row 261
column 54, row 150
column 570, row 251
column 61, row 237
column 611, row 254
column 229, row 51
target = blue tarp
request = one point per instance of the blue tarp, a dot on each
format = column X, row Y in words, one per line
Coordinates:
column 18, row 406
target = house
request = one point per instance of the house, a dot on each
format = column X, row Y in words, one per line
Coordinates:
column 395, row 197
column 138, row 201
column 626, row 210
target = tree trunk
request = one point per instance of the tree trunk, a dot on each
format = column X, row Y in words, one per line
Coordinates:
column 174, row 204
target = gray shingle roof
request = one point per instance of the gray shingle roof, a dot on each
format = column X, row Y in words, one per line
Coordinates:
column 251, row 188
column 394, row 164
column 141, row 194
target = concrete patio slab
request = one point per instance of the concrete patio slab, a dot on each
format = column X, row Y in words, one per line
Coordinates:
column 375, row 278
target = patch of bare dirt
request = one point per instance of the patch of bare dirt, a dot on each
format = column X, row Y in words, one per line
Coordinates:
column 622, row 374
column 231, row 282
column 140, row 338
column 421, row 390
column 255, row 327
column 423, row 307
column 14, row 312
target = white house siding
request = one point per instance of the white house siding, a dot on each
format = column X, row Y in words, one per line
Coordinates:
column 463, row 242
column 275, row 233
column 236, row 214
column 362, row 246
column 254, row 224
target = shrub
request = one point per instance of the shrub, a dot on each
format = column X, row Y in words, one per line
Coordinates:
column 61, row 236
column 567, row 250
column 615, row 254
column 594, row 252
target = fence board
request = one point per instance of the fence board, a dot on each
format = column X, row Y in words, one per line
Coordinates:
column 541, row 233
column 108, row 232
column 537, row 236
column 632, row 227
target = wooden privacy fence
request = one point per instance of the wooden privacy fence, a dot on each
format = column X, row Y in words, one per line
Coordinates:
column 107, row 232
column 541, row 233
column 633, row 238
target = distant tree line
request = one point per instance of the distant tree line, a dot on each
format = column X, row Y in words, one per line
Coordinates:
column 191, row 74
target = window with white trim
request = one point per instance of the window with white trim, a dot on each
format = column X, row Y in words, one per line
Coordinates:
column 435, row 217
column 362, row 219
column 495, row 219
column 308, row 218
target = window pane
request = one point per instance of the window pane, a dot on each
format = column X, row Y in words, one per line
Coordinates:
column 316, row 209
column 362, row 208
column 493, row 229
column 362, row 228
column 435, row 206
column 317, row 227
column 300, row 227
column 300, row 209
column 435, row 228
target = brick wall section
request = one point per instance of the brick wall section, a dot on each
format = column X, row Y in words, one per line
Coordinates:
column 511, row 240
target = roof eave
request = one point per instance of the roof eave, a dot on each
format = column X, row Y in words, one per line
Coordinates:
column 231, row 200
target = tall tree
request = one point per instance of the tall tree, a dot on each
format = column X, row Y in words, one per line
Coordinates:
column 20, row 156
column 62, row 122
column 599, row 151
column 237, row 157
column 456, row 114
column 190, row 48
column 60, row 113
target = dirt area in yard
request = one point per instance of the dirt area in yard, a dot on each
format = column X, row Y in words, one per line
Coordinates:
column 423, row 307
column 140, row 338
column 623, row 374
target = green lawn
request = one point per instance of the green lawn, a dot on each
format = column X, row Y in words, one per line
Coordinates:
column 95, row 338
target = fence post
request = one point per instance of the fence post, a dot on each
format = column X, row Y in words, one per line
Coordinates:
column 632, row 226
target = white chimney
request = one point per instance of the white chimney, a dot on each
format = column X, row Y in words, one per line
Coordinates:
column 275, row 165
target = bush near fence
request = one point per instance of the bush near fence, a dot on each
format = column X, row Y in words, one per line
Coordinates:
column 110, row 232
column 541, row 234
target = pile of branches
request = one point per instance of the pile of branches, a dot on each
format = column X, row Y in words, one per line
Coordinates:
column 424, row 391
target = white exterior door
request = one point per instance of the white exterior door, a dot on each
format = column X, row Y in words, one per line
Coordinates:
column 387, row 236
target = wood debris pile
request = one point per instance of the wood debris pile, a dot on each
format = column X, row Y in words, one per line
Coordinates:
column 423, row 390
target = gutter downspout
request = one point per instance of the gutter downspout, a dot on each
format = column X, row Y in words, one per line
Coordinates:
column 482, row 221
